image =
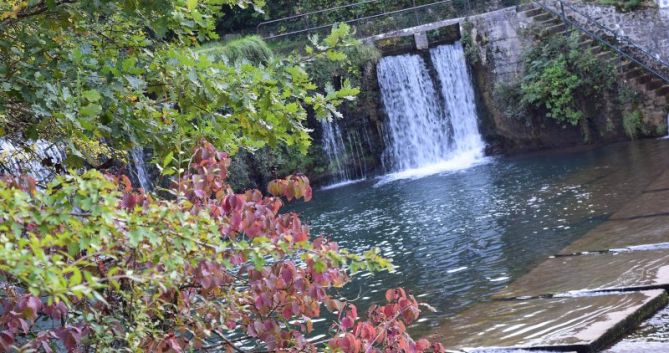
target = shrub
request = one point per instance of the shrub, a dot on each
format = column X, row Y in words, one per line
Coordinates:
column 623, row 5
column 251, row 49
column 91, row 265
column 509, row 97
column 468, row 43
column 562, row 79
column 633, row 123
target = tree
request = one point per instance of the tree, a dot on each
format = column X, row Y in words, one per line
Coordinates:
column 92, row 265
column 102, row 76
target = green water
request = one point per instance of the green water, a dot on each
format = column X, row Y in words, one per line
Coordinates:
column 458, row 237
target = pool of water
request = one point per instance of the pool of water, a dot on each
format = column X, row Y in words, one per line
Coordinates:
column 458, row 237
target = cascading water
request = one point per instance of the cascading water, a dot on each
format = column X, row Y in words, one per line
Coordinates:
column 31, row 158
column 345, row 154
column 429, row 132
column 459, row 101
column 416, row 128
column 139, row 168
column 334, row 148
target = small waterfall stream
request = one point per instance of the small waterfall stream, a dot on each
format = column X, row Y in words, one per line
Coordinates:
column 345, row 154
column 29, row 158
column 334, row 148
column 429, row 131
column 138, row 168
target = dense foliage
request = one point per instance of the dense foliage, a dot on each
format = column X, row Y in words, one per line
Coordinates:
column 556, row 70
column 623, row 5
column 252, row 49
column 93, row 265
column 101, row 76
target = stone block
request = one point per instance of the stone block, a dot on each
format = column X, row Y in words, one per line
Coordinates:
column 421, row 41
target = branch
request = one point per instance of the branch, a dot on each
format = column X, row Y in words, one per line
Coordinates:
column 33, row 10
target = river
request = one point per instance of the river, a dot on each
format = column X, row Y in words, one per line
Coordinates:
column 459, row 236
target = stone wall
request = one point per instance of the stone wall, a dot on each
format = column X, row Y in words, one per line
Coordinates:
column 502, row 37
column 646, row 27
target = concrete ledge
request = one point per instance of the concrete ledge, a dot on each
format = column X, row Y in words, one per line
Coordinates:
column 647, row 205
column 625, row 271
column 622, row 234
column 581, row 324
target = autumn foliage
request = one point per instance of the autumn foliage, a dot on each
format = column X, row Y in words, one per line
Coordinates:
column 90, row 264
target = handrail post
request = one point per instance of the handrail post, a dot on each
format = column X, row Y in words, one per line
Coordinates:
column 564, row 16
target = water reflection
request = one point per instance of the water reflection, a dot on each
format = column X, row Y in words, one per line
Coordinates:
column 458, row 237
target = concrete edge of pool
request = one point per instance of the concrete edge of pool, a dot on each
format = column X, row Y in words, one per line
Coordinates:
column 587, row 298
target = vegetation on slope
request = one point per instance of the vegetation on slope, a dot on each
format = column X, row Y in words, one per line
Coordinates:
column 89, row 264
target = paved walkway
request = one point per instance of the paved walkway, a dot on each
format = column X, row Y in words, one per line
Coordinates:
column 587, row 296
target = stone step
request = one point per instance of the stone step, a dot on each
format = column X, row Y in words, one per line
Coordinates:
column 586, row 43
column 654, row 84
column 604, row 55
column 583, row 324
column 635, row 72
column 555, row 29
column 543, row 17
column 645, row 78
column 549, row 22
column 661, row 102
column 532, row 12
column 629, row 65
column 525, row 7
column 560, row 275
column 663, row 90
column 596, row 49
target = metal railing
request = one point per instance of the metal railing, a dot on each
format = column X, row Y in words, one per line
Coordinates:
column 621, row 45
column 391, row 17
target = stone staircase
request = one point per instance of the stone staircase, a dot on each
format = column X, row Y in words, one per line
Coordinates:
column 636, row 68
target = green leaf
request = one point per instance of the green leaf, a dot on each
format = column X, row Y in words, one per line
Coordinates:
column 75, row 279
column 90, row 110
column 91, row 95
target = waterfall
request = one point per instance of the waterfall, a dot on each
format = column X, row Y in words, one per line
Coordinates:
column 458, row 94
column 417, row 130
column 335, row 150
column 32, row 158
column 432, row 123
column 138, row 168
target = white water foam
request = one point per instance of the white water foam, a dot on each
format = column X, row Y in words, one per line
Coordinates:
column 463, row 161
column 342, row 183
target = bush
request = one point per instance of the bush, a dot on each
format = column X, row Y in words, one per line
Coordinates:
column 91, row 265
column 469, row 45
column 251, row 49
column 623, row 5
column 562, row 79
column 633, row 124
column 328, row 72
column 509, row 97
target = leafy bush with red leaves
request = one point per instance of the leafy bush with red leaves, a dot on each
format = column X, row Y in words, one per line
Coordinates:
column 90, row 264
